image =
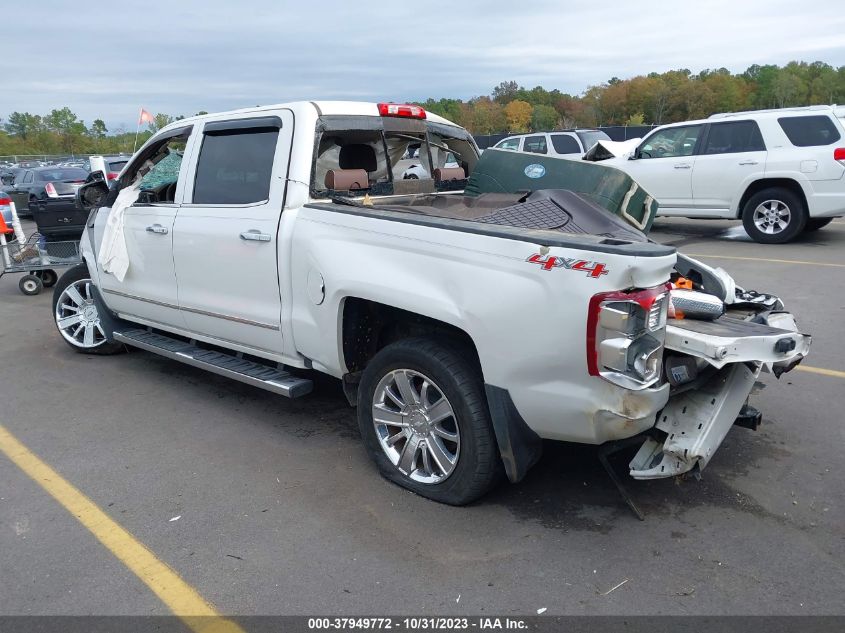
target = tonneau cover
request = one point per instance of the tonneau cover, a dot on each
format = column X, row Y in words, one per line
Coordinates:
column 505, row 171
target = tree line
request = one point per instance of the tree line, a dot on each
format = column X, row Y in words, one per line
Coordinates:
column 61, row 132
column 656, row 98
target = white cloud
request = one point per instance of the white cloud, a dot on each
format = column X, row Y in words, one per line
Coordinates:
column 180, row 57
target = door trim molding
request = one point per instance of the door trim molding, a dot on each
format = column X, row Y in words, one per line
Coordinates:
column 227, row 317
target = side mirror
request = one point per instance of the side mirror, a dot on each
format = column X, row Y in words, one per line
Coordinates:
column 92, row 193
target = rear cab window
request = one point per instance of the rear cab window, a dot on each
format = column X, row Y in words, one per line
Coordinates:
column 389, row 156
column 809, row 131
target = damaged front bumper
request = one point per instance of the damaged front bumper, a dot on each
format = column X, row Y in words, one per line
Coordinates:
column 698, row 416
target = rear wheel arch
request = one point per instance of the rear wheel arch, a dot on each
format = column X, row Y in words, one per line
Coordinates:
column 768, row 183
column 367, row 326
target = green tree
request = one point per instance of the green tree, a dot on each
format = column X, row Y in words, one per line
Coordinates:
column 505, row 92
column 98, row 129
column 23, row 124
column 68, row 128
column 160, row 121
column 544, row 117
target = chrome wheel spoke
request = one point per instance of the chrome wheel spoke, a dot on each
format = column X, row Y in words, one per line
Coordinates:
column 408, row 457
column 440, row 455
column 383, row 415
column 73, row 295
column 396, row 437
column 406, row 389
column 446, row 435
column 439, row 411
column 69, row 321
column 88, row 339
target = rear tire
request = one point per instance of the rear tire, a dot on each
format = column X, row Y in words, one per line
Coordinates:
column 77, row 316
column 442, row 381
column 774, row 216
column 814, row 224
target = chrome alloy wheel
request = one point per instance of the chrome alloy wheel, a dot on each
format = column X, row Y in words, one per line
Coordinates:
column 416, row 426
column 77, row 316
column 772, row 217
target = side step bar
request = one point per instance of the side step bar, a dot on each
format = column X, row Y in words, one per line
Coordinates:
column 246, row 371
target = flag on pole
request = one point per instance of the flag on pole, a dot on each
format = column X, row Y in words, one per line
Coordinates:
column 145, row 117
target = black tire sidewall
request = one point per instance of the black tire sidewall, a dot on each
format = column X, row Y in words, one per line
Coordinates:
column 797, row 222
column 479, row 462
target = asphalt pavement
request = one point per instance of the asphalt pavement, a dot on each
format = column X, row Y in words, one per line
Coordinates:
column 269, row 506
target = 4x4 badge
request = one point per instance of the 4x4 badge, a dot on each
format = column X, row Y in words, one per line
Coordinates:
column 547, row 262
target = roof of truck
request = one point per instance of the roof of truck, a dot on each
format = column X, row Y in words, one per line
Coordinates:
column 355, row 108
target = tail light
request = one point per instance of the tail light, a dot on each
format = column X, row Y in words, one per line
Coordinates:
column 112, row 175
column 401, row 110
column 51, row 190
column 839, row 155
column 5, row 200
column 625, row 335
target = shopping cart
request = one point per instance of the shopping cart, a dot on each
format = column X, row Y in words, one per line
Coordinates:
column 37, row 258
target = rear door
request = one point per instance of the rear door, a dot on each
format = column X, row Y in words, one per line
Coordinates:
column 225, row 236
column 732, row 155
column 664, row 164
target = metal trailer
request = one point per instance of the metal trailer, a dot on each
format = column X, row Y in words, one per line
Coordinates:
column 37, row 258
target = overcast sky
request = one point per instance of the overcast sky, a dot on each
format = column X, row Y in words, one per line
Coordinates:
column 107, row 59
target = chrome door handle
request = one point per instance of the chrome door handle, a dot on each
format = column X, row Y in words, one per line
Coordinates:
column 254, row 235
column 157, row 228
column 748, row 162
column 683, row 166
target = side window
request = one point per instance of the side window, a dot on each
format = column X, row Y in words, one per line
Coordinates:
column 508, row 143
column 234, row 166
column 535, row 145
column 28, row 177
column 733, row 137
column 159, row 183
column 671, row 142
column 809, row 131
column 565, row 144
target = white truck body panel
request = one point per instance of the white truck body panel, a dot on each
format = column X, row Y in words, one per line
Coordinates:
column 282, row 298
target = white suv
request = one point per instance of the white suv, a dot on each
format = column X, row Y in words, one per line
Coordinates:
column 566, row 144
column 780, row 171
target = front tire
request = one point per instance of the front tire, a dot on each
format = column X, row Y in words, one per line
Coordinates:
column 424, row 420
column 774, row 216
column 77, row 317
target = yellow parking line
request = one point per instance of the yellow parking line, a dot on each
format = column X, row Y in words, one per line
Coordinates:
column 833, row 373
column 182, row 599
column 764, row 259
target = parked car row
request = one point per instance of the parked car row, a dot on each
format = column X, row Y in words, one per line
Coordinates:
column 782, row 171
column 47, row 193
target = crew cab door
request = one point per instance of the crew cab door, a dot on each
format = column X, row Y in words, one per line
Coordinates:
column 664, row 165
column 148, row 291
column 732, row 153
column 225, row 237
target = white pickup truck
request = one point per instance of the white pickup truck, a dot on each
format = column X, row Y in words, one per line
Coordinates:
column 262, row 244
